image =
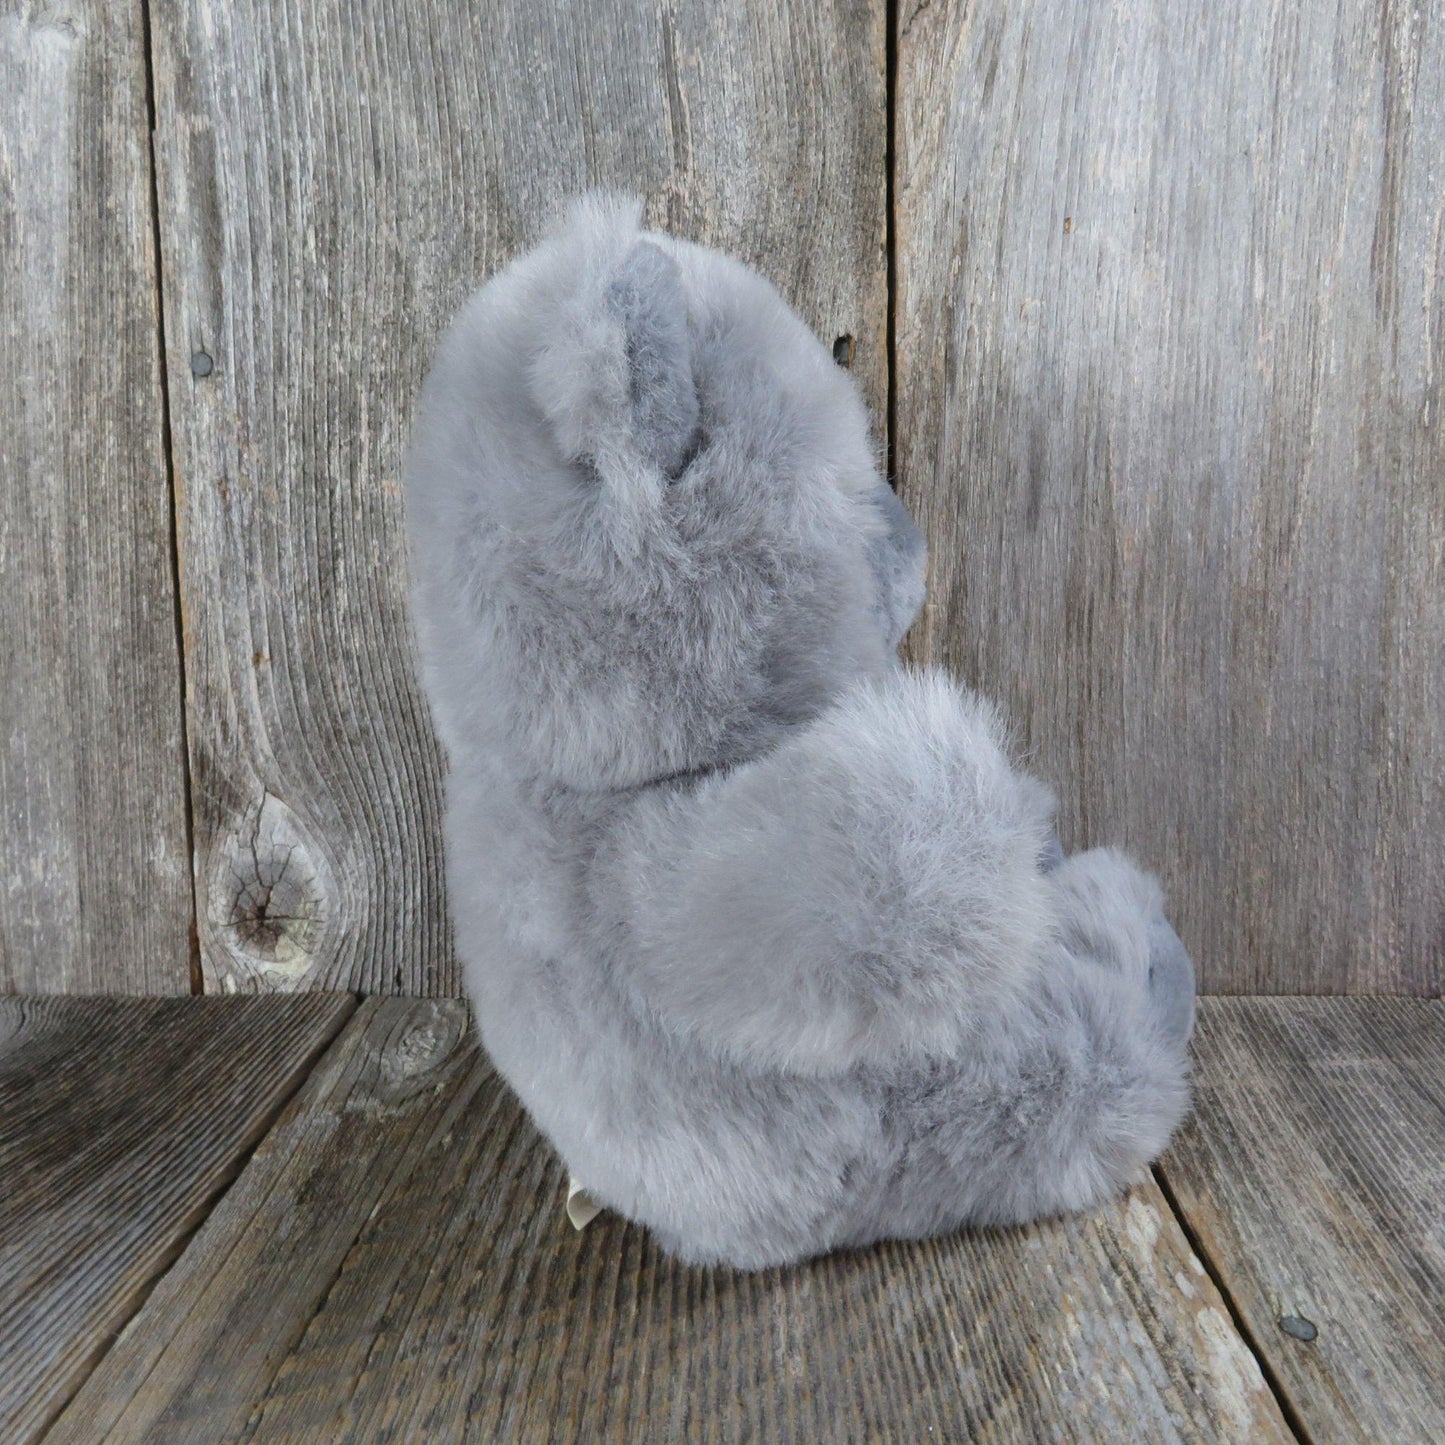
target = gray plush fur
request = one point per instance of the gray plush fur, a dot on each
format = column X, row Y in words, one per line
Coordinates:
column 772, row 941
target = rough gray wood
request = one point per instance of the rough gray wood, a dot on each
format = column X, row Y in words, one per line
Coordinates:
column 120, row 1121
column 333, row 180
column 1170, row 337
column 1313, row 1177
column 216, row 1328
column 94, row 875
column 395, row 1264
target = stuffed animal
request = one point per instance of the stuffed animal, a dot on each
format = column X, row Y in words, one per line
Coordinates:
column 774, row 944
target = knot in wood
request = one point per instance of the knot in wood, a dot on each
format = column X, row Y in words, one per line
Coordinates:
column 415, row 1059
column 269, row 901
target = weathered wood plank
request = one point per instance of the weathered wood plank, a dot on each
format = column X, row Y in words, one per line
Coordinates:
column 539, row 1336
column 426, row 1285
column 94, row 874
column 216, row 1328
column 1313, row 1177
column 334, row 179
column 1169, row 330
column 120, row 1121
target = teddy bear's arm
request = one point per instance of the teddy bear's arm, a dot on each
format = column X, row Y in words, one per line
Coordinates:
column 1075, row 1092
column 869, row 890
column 1066, row 1098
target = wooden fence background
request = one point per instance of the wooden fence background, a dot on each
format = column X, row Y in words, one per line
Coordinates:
column 1148, row 297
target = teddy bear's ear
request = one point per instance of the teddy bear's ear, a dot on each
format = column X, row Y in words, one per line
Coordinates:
column 613, row 372
column 648, row 296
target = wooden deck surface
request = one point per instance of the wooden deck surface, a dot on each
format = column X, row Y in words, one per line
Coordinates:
column 392, row 1261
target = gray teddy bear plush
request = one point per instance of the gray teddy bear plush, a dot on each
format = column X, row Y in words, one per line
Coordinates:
column 774, row 944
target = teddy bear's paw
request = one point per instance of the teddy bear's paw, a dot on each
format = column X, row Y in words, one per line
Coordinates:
column 1106, row 905
column 1112, row 916
column 1171, row 979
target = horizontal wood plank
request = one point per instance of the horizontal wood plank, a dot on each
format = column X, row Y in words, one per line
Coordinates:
column 334, row 179
column 215, row 1330
column 395, row 1264
column 1169, row 339
column 95, row 874
column 120, row 1122
column 1313, row 1176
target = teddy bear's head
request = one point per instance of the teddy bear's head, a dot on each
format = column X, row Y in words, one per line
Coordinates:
column 666, row 540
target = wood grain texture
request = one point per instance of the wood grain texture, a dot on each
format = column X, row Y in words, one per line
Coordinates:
column 426, row 1285
column 1313, row 1176
column 94, row 876
column 120, row 1121
column 216, row 1328
column 1170, row 328
column 334, row 179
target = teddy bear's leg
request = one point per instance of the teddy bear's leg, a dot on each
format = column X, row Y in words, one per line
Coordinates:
column 1072, row 1093
column 869, row 891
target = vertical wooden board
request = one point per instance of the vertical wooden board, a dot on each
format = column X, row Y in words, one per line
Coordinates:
column 94, row 877
column 395, row 1264
column 1312, row 1177
column 334, row 179
column 1169, row 340
column 120, row 1121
